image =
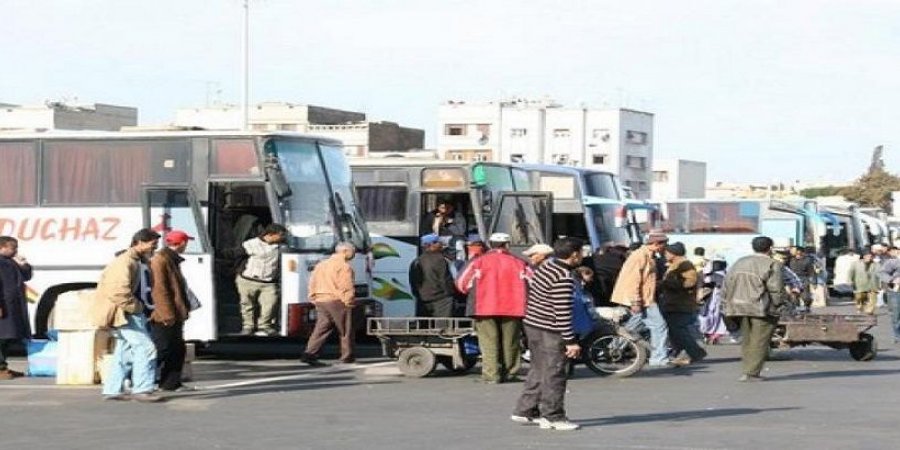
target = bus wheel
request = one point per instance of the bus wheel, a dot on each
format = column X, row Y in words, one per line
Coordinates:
column 48, row 302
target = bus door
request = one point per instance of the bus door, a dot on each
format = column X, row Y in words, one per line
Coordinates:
column 463, row 209
column 525, row 216
column 174, row 207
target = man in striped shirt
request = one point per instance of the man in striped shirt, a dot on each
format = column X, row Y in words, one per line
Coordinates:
column 548, row 326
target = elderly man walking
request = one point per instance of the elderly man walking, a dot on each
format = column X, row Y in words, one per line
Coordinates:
column 636, row 289
column 498, row 279
column 754, row 294
column 331, row 289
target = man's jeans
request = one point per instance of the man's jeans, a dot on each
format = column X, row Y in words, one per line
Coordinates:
column 545, row 388
column 653, row 319
column 892, row 298
column 135, row 354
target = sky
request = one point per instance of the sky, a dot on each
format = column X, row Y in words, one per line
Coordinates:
column 761, row 90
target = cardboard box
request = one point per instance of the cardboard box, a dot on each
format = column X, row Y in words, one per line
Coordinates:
column 72, row 311
column 79, row 356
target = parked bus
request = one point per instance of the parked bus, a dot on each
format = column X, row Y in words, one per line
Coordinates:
column 591, row 205
column 74, row 199
column 396, row 194
column 726, row 227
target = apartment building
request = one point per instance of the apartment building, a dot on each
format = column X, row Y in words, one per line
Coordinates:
column 67, row 116
column 546, row 132
column 359, row 135
column 678, row 178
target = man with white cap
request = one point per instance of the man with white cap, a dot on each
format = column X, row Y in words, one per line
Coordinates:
column 498, row 280
column 537, row 253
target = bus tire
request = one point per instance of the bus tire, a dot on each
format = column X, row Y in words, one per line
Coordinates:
column 48, row 301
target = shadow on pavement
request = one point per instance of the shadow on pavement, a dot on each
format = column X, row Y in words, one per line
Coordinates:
column 677, row 416
column 834, row 374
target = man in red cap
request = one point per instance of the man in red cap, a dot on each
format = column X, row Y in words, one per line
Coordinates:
column 170, row 309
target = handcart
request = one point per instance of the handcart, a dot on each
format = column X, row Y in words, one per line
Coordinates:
column 420, row 343
column 838, row 331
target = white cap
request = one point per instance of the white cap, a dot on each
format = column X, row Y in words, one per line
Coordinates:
column 538, row 249
column 499, row 237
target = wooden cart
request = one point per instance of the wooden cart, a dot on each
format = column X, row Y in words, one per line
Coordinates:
column 420, row 343
column 838, row 331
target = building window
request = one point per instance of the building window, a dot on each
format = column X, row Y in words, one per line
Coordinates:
column 480, row 157
column 454, row 130
column 599, row 159
column 600, row 133
column 484, row 129
column 561, row 133
column 457, row 156
column 661, row 176
column 636, row 137
column 517, row 158
column 518, row 132
column 642, row 186
column 636, row 162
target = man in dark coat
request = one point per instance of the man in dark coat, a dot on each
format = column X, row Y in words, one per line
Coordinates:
column 14, row 324
column 170, row 309
column 431, row 281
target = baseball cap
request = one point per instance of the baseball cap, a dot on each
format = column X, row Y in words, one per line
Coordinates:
column 429, row 239
column 176, row 237
column 538, row 249
column 499, row 237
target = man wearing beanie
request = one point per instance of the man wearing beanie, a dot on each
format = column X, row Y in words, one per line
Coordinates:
column 678, row 300
column 636, row 288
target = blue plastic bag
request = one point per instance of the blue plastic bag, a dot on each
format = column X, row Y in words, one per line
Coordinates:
column 42, row 356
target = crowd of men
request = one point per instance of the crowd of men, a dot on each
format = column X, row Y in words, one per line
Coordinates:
column 143, row 298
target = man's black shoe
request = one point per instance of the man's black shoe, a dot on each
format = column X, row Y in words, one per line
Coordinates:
column 311, row 361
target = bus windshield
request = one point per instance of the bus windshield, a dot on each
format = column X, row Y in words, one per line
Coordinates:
column 601, row 185
column 352, row 226
column 603, row 218
column 307, row 210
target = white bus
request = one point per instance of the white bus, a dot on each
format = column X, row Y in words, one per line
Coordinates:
column 74, row 199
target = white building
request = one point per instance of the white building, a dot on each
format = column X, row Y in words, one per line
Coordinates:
column 678, row 178
column 358, row 135
column 543, row 131
column 64, row 116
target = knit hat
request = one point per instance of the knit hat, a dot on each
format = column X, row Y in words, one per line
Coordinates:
column 656, row 236
column 676, row 249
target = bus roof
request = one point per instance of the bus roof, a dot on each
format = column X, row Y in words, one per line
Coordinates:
column 417, row 162
column 570, row 170
column 144, row 134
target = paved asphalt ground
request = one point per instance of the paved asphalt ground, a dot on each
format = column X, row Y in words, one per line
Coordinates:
column 816, row 399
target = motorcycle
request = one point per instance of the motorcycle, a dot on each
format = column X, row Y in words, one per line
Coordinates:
column 618, row 347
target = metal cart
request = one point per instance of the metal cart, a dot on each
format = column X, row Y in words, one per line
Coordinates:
column 838, row 331
column 420, row 343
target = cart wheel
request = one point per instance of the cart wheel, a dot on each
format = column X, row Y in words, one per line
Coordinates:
column 469, row 362
column 865, row 348
column 416, row 362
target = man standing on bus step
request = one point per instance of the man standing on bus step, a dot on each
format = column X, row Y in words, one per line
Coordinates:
column 636, row 288
column 117, row 306
column 498, row 279
column 170, row 309
column 258, row 280
column 431, row 281
column 331, row 290
column 755, row 294
column 445, row 220
column 14, row 324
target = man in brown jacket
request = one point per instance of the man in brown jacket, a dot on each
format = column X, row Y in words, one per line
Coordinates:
column 636, row 289
column 170, row 309
column 331, row 290
column 678, row 300
column 117, row 306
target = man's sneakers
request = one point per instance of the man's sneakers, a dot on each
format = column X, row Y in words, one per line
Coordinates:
column 546, row 424
column 750, row 378
column 558, row 425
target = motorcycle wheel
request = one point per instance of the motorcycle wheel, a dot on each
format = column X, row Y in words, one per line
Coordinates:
column 616, row 355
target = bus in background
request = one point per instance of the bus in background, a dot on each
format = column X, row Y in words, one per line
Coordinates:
column 725, row 228
column 74, row 199
column 591, row 205
column 397, row 194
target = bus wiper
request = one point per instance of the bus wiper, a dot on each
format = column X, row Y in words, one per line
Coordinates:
column 276, row 177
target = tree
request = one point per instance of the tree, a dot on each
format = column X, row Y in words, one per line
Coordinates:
column 825, row 191
column 875, row 186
